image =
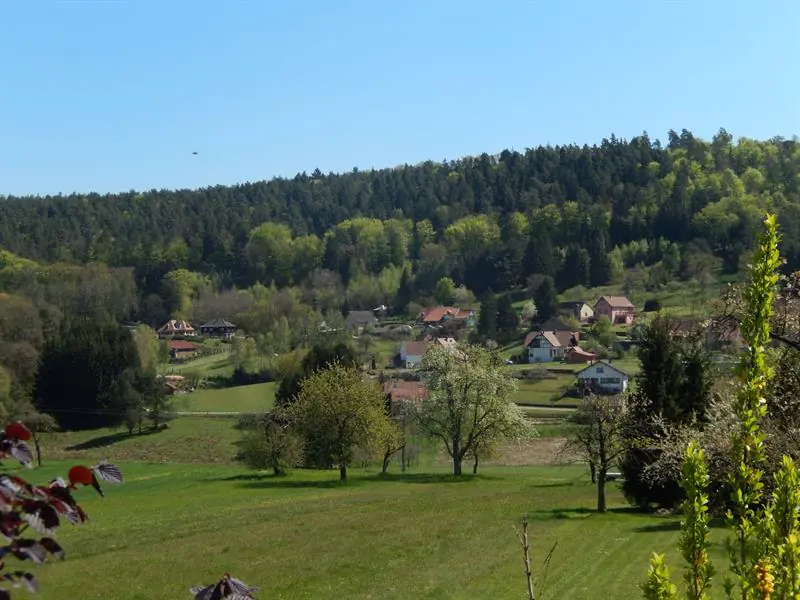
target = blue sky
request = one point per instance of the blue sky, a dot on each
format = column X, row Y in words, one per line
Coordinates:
column 115, row 95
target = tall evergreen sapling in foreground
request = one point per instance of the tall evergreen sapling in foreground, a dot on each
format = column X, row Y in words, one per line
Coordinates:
column 764, row 553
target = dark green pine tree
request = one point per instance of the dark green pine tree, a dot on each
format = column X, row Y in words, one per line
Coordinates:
column 507, row 319
column 404, row 293
column 600, row 263
column 487, row 317
column 576, row 268
column 539, row 255
column 546, row 301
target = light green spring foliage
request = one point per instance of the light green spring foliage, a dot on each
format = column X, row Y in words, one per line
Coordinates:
column 779, row 531
column 694, row 542
column 765, row 550
column 658, row 586
column 750, row 406
column 341, row 410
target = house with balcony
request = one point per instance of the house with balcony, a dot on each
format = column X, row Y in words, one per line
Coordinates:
column 602, row 377
column 618, row 309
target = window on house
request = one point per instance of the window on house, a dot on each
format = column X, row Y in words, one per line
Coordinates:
column 601, row 370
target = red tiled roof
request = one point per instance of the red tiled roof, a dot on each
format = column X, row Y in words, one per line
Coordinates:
column 437, row 313
column 405, row 390
column 181, row 345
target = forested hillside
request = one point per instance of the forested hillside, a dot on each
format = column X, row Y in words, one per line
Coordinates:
column 582, row 215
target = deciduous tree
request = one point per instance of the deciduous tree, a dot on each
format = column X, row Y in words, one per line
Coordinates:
column 469, row 401
column 338, row 409
column 598, row 437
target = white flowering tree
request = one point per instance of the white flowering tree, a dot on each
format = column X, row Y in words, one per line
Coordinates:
column 469, row 403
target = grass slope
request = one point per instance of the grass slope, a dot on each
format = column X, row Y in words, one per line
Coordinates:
column 243, row 398
column 419, row 535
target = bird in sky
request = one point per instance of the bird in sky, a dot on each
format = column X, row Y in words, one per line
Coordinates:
column 194, row 153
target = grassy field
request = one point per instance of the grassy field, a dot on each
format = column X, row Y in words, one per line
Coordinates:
column 206, row 440
column 415, row 535
column 243, row 398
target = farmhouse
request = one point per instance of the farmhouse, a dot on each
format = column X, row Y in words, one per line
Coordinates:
column 176, row 327
column 580, row 310
column 603, row 377
column 398, row 391
column 617, row 308
column 219, row 328
column 547, row 346
column 358, row 320
column 439, row 315
column 181, row 350
column 719, row 332
column 410, row 355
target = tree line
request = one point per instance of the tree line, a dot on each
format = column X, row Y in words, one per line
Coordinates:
column 556, row 211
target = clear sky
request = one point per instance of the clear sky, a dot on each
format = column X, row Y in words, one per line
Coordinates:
column 102, row 95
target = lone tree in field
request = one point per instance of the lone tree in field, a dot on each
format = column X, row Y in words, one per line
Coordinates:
column 269, row 442
column 340, row 410
column 468, row 403
column 598, row 438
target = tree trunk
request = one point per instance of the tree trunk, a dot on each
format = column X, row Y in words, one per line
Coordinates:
column 343, row 472
column 601, row 490
column 403, row 459
column 456, row 455
column 475, row 466
column 593, row 471
column 38, row 450
column 386, row 458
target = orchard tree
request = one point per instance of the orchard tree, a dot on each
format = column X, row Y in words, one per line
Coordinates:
column 338, row 409
column 270, row 442
column 598, row 438
column 469, row 401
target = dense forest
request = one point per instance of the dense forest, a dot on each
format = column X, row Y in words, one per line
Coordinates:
column 281, row 257
column 550, row 210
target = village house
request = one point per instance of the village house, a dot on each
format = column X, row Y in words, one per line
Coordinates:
column 439, row 315
column 175, row 327
column 602, row 377
column 218, row 328
column 719, row 333
column 547, row 345
column 399, row 391
column 618, row 309
column 580, row 310
column 358, row 320
column 182, row 350
column 411, row 353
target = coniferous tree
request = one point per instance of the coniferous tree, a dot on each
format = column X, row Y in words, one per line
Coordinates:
column 507, row 319
column 404, row 293
column 487, row 317
column 546, row 300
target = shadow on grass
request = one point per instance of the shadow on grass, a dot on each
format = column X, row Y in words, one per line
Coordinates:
column 268, row 480
column 431, row 477
column 672, row 523
column 113, row 438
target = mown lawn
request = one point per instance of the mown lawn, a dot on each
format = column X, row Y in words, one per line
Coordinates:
column 206, row 440
column 417, row 535
column 243, row 398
